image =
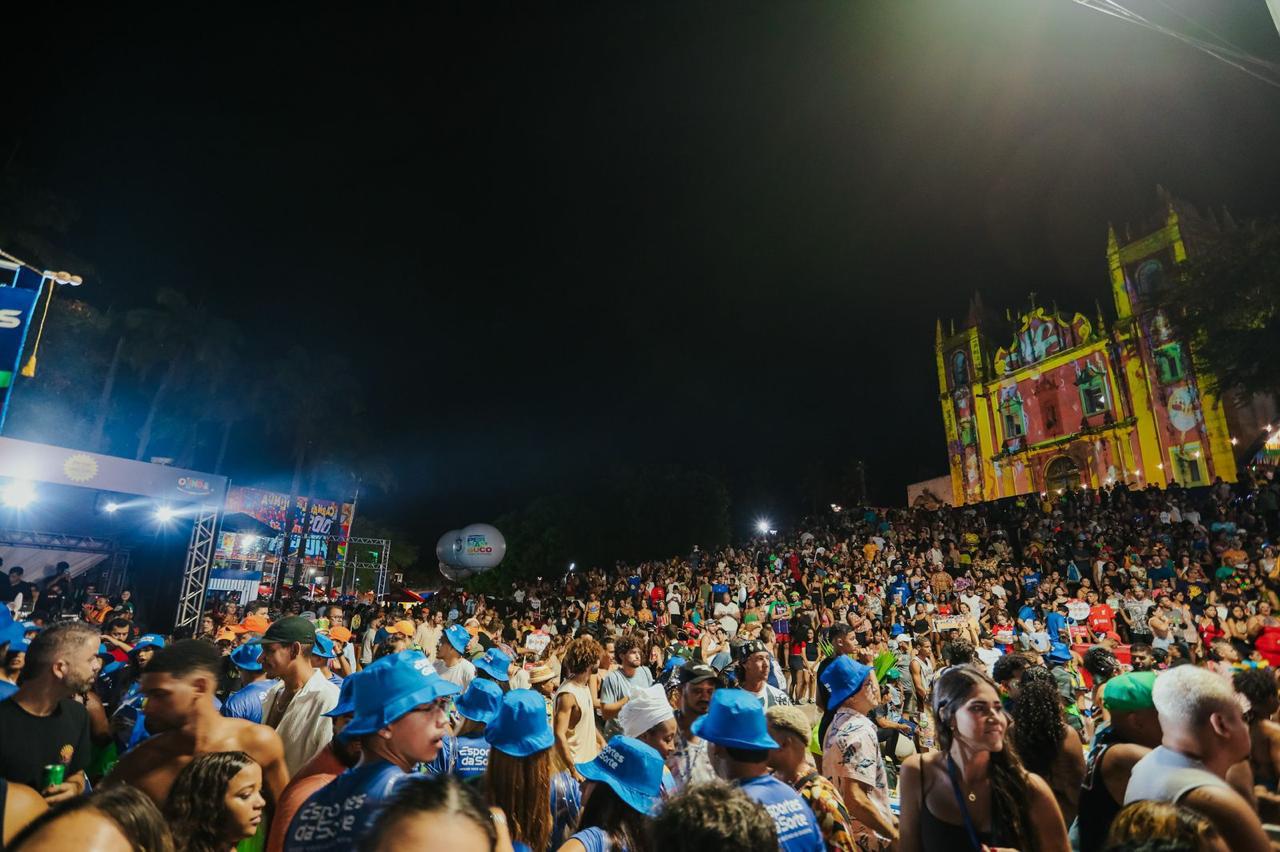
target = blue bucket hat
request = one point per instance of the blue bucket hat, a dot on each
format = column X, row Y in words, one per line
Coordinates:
column 346, row 696
column 323, row 647
column 494, row 663
column 632, row 769
column 843, row 678
column 149, row 640
column 735, row 719
column 14, row 635
column 458, row 637
column 395, row 686
column 520, row 728
column 247, row 657
column 1059, row 652
column 111, row 668
column 481, row 701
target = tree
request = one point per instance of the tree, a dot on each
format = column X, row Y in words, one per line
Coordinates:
column 1227, row 300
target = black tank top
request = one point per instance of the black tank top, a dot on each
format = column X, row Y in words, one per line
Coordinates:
column 1097, row 808
column 939, row 836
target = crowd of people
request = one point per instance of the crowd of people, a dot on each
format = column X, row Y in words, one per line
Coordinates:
column 1091, row 670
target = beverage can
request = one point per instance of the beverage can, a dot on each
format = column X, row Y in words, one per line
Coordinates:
column 55, row 774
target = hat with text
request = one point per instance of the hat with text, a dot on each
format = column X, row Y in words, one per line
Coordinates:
column 458, row 637
column 632, row 769
column 495, row 664
column 392, row 687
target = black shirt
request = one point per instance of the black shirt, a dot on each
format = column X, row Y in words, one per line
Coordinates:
column 30, row 743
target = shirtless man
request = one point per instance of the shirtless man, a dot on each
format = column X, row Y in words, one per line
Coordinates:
column 179, row 683
column 1259, row 686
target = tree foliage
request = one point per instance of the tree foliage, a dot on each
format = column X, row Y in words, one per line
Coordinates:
column 1227, row 300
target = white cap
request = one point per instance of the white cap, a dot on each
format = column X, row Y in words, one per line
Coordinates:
column 645, row 709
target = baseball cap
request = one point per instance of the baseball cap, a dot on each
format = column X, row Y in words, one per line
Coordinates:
column 295, row 628
column 149, row 640
column 520, row 729
column 1129, row 692
column 735, row 719
column 226, row 634
column 340, row 633
column 481, row 701
column 791, row 718
column 247, row 657
column 692, row 672
column 252, row 624
column 632, row 769
column 842, row 679
column 404, row 627
column 494, row 663
column 393, row 687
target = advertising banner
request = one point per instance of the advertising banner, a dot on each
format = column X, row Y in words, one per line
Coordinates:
column 16, row 308
column 327, row 523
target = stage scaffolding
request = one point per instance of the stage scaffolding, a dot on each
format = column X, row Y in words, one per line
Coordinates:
column 361, row 553
column 115, row 570
column 195, row 574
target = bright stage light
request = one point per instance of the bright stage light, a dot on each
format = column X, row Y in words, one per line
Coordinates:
column 19, row 494
column 111, row 508
column 249, row 540
column 164, row 514
column 763, row 526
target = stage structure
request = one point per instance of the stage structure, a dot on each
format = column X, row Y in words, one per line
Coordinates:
column 123, row 486
column 246, row 560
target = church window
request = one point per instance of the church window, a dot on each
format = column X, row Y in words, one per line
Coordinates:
column 1169, row 363
column 1093, row 390
column 1015, row 424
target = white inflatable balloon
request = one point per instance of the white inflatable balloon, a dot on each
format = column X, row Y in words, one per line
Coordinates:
column 482, row 547
column 449, row 548
column 453, row 573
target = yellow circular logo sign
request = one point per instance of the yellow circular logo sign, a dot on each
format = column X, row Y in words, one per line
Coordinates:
column 80, row 467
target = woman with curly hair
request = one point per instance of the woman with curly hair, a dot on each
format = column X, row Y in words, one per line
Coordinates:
column 574, row 713
column 974, row 789
column 216, row 801
column 1051, row 748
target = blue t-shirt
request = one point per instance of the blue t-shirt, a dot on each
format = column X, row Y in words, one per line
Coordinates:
column 797, row 827
column 1055, row 622
column 473, row 757
column 7, row 689
column 1026, row 613
column 594, row 839
column 340, row 813
column 246, row 703
column 1031, row 582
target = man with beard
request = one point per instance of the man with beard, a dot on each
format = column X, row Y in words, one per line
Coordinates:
column 179, row 684
column 689, row 762
column 41, row 725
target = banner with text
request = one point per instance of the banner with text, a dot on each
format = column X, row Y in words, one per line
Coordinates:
column 16, row 307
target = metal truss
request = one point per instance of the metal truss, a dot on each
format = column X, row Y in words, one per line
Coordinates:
column 195, row 574
column 113, row 575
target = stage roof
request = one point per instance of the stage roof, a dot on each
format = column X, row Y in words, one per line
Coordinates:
column 61, row 466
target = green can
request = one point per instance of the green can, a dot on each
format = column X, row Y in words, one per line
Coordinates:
column 55, row 774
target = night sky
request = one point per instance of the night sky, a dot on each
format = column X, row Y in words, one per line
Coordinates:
column 717, row 234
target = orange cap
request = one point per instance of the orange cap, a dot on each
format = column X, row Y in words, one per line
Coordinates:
column 226, row 634
column 342, row 634
column 404, row 628
column 254, row 624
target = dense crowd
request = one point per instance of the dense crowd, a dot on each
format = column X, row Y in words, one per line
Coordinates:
column 1091, row 670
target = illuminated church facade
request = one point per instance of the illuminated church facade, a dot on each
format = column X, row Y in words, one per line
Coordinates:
column 1046, row 401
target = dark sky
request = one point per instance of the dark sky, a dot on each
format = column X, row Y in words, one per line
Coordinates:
column 711, row 233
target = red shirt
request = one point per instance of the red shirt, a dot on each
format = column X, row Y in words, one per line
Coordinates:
column 1102, row 618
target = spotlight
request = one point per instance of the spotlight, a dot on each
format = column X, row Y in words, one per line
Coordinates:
column 111, row 508
column 249, row 541
column 164, row 514
column 762, row 526
column 19, row 494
